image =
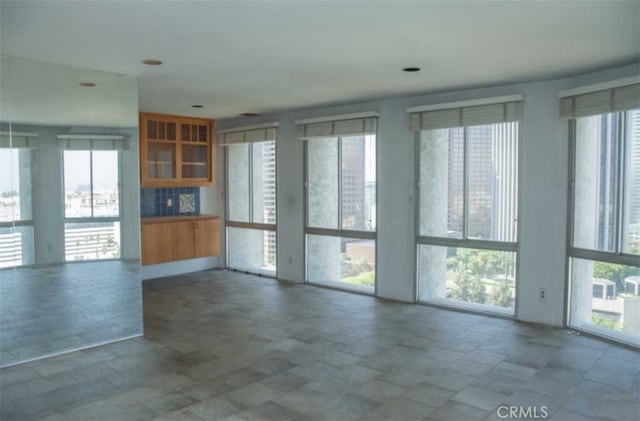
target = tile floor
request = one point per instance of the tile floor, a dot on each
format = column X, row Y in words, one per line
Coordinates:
column 222, row 345
column 56, row 308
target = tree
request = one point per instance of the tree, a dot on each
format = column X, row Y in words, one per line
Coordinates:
column 613, row 272
column 501, row 295
column 469, row 288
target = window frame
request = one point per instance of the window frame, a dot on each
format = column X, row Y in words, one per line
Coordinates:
column 91, row 219
column 258, row 226
column 617, row 256
column 465, row 242
column 339, row 232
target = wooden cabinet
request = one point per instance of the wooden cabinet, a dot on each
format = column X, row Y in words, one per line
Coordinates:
column 168, row 239
column 176, row 151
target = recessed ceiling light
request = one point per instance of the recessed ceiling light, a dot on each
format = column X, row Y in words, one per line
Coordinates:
column 197, row 106
column 152, row 62
column 411, row 69
column 87, row 84
column 249, row 114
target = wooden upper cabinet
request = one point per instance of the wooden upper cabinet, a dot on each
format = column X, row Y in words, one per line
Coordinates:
column 176, row 151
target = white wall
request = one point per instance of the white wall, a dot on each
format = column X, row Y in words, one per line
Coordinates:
column 543, row 190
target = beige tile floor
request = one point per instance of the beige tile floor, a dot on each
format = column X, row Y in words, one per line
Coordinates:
column 222, row 345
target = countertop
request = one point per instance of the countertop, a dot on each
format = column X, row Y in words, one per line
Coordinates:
column 175, row 218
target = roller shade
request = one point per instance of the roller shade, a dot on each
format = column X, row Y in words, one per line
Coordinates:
column 473, row 115
column 17, row 140
column 601, row 102
column 97, row 142
column 248, row 136
column 334, row 128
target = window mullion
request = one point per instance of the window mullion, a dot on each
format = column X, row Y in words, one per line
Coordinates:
column 465, row 185
column 339, row 183
column 621, row 142
column 250, row 166
column 91, row 179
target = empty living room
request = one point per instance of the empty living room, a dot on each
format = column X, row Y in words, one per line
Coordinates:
column 319, row 210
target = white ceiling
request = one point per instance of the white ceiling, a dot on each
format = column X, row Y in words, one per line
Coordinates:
column 240, row 56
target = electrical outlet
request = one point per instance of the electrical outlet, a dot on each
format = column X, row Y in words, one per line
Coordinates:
column 542, row 294
column 169, row 202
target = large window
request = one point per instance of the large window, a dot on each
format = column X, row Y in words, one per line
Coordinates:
column 16, row 222
column 341, row 203
column 92, row 205
column 251, row 200
column 604, row 263
column 467, row 164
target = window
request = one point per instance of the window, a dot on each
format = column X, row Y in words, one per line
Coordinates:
column 92, row 204
column 341, row 203
column 16, row 222
column 251, row 200
column 467, row 165
column 604, row 230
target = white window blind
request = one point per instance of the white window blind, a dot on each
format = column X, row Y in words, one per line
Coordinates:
column 249, row 136
column 622, row 98
column 96, row 142
column 472, row 115
column 335, row 128
column 17, row 140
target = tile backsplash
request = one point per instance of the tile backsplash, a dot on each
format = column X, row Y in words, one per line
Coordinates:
column 169, row 201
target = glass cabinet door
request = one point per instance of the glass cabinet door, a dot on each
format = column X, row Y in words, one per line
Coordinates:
column 161, row 160
column 194, row 161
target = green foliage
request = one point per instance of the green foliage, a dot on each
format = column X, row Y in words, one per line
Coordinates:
column 365, row 279
column 596, row 319
column 354, row 269
column 469, row 288
column 482, row 263
column 501, row 295
column 613, row 272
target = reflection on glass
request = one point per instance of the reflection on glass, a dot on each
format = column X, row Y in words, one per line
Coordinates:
column 252, row 250
column 441, row 182
column 15, row 186
column 340, row 261
column 77, row 184
column 238, row 182
column 322, row 188
column 485, row 277
column 91, row 241
column 606, row 297
column 16, row 246
column 91, row 184
column 596, row 182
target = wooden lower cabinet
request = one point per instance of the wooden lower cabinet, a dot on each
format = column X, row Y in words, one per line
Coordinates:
column 179, row 238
